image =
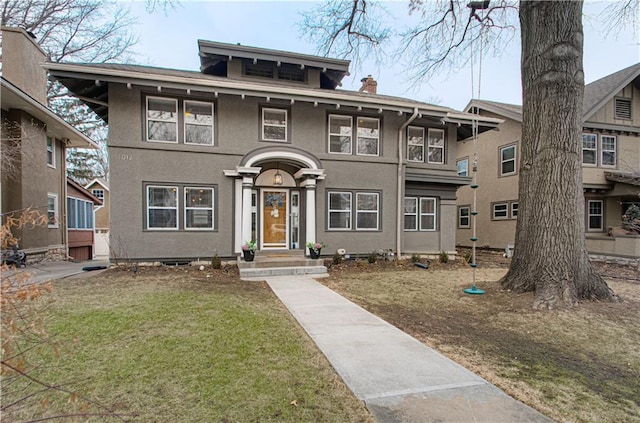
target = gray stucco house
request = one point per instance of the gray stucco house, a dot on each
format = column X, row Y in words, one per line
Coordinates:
column 263, row 145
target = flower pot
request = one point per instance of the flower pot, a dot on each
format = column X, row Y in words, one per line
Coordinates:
column 248, row 255
column 314, row 254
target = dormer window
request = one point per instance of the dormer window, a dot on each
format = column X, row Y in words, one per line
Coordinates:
column 270, row 70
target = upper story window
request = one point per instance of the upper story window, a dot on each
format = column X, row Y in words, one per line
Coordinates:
column 274, row 125
column 508, row 160
column 98, row 193
column 341, row 135
column 601, row 153
column 436, row 146
column 270, row 70
column 416, row 145
column 165, row 115
column 623, row 108
column 463, row 167
column 51, row 151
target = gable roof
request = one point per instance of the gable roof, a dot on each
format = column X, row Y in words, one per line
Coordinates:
column 104, row 184
column 84, row 191
column 596, row 94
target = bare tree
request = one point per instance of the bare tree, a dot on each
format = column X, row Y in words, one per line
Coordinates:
column 551, row 259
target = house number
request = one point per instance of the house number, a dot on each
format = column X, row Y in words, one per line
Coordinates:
column 126, row 157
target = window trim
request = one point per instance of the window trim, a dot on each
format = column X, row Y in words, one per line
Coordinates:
column 463, row 160
column 212, row 208
column 512, row 209
column 86, row 204
column 429, row 146
column 149, row 208
column 377, row 138
column 434, row 214
column 415, row 214
column 51, row 149
column 99, row 197
column 468, row 216
column 147, row 119
column 410, row 144
column 286, row 124
column 502, row 162
column 602, row 151
column 330, row 210
column 185, row 123
column 350, row 152
column 506, row 210
column 55, row 211
column 377, row 210
column 594, row 149
column 588, row 215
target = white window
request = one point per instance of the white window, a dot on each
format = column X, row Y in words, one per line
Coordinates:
column 500, row 211
column 367, row 216
column 98, row 193
column 508, row 160
column 198, row 208
column 595, row 215
column 463, row 217
column 51, row 151
column 274, row 125
column 514, row 210
column 198, row 122
column 340, row 134
column 368, row 136
column 589, row 149
column 79, row 213
column 52, row 210
column 463, row 167
column 427, row 214
column 410, row 214
column 623, row 108
column 415, row 144
column 339, row 210
column 436, row 146
column 162, row 119
column 608, row 150
column 162, row 207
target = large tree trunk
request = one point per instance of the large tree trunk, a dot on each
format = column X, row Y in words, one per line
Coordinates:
column 550, row 255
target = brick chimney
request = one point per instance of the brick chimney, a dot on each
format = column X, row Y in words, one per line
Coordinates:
column 369, row 85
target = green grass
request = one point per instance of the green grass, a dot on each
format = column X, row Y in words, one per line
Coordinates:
column 175, row 346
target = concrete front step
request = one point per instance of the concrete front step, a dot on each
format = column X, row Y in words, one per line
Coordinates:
column 261, row 272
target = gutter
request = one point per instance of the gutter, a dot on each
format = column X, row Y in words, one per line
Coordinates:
column 400, row 201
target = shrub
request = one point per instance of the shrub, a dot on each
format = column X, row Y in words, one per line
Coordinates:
column 337, row 258
column 444, row 257
column 216, row 263
column 415, row 258
column 468, row 256
column 372, row 257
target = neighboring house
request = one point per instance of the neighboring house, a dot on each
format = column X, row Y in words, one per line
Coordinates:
column 80, row 221
column 610, row 164
column 261, row 145
column 100, row 188
column 34, row 143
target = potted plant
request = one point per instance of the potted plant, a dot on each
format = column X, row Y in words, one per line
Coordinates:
column 249, row 250
column 314, row 249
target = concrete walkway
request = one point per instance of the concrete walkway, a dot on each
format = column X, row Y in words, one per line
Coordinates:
column 52, row 270
column 399, row 378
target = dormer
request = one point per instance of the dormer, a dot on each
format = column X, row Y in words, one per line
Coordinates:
column 236, row 61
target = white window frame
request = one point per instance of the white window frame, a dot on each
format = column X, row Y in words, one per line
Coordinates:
column 514, row 206
column 614, row 151
column 434, row 214
column 149, row 208
column 415, row 214
column 506, row 211
column 589, row 215
column 515, row 162
column 376, row 211
column 174, row 120
column 55, row 223
column 186, row 207
column 349, row 210
column 51, row 150
column 460, row 217
column 286, row 122
column 376, row 138
column 87, row 223
column 466, row 166
column 95, row 192
column 185, row 123
column 411, row 143
column 594, row 149
column 350, row 135
column 435, row 147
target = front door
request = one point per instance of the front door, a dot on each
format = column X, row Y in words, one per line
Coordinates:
column 275, row 218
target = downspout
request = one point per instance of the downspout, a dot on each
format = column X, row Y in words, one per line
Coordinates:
column 400, row 202
column 63, row 205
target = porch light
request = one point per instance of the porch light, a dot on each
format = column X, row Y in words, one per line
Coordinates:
column 277, row 178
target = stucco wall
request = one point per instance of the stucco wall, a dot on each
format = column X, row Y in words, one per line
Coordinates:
column 21, row 56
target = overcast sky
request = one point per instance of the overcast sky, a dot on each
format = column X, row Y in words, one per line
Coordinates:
column 170, row 40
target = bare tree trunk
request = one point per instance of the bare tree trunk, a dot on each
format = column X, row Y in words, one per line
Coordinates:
column 550, row 255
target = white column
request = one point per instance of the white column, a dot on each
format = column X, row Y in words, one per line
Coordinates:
column 310, row 185
column 247, row 186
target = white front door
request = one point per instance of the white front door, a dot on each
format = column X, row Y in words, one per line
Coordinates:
column 274, row 210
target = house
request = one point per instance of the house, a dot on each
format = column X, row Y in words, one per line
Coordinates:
column 263, row 145
column 34, row 143
column 99, row 188
column 610, row 168
column 80, row 221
